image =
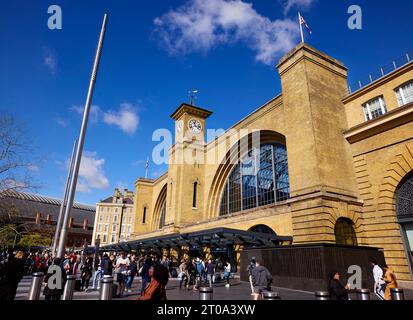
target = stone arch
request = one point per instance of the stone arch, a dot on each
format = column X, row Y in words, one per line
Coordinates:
column 262, row 228
column 225, row 167
column 160, row 202
column 397, row 170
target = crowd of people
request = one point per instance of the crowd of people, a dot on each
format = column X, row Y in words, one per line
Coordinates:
column 194, row 272
column 155, row 273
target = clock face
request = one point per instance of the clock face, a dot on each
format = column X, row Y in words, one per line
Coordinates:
column 179, row 125
column 195, row 126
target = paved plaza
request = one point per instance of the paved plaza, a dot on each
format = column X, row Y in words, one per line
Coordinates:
column 237, row 291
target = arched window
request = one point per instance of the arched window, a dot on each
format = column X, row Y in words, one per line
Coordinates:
column 144, row 215
column 260, row 178
column 162, row 217
column 194, row 194
column 405, row 198
column 345, row 233
column 262, row 228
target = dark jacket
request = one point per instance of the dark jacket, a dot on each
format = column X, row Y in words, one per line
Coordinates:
column 145, row 268
column 261, row 277
column 107, row 266
column 337, row 290
column 86, row 270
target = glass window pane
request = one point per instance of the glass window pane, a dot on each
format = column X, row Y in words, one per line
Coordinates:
column 234, row 186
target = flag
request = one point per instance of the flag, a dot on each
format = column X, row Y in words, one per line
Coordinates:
column 146, row 168
column 303, row 22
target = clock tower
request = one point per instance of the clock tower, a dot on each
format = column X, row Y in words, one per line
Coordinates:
column 186, row 168
column 190, row 123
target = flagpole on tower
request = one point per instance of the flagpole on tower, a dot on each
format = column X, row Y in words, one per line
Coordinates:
column 301, row 27
column 146, row 168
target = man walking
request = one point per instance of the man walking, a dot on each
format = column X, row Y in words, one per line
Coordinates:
column 261, row 278
column 379, row 283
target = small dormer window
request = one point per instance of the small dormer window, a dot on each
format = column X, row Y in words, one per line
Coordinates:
column 374, row 108
column 405, row 94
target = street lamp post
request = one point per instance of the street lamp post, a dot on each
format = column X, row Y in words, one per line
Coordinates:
column 79, row 149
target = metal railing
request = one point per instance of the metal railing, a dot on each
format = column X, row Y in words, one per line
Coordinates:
column 379, row 73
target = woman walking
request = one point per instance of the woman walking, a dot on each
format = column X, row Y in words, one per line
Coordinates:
column 155, row 291
column 86, row 274
column 391, row 282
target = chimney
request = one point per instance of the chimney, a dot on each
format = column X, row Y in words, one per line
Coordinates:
column 85, row 222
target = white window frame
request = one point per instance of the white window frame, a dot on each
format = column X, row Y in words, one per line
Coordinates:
column 366, row 107
column 400, row 90
column 114, row 227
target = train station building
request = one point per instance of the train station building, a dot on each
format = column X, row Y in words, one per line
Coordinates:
column 315, row 164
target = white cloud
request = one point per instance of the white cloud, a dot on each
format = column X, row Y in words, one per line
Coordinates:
column 200, row 25
column 91, row 174
column 93, row 115
column 50, row 61
column 138, row 163
column 126, row 118
column 33, row 168
column 62, row 122
column 299, row 4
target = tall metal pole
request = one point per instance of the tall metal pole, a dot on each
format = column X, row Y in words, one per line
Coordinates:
column 301, row 27
column 79, row 149
column 62, row 206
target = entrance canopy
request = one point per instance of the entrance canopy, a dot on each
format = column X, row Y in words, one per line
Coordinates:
column 220, row 237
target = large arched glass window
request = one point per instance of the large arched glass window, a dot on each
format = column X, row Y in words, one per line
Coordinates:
column 345, row 233
column 405, row 199
column 260, row 178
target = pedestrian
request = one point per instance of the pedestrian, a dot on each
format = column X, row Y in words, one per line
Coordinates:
column 155, row 291
column 54, row 294
column 13, row 271
column 107, row 265
column 183, row 274
column 147, row 264
column 98, row 275
column 86, row 273
column 133, row 270
column 261, row 278
column 336, row 289
column 379, row 283
column 390, row 280
column 121, row 270
column 227, row 273
column 210, row 271
column 200, row 269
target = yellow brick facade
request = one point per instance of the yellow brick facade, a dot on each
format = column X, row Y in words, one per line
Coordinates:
column 340, row 166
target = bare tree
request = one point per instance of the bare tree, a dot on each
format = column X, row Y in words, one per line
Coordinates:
column 17, row 162
column 16, row 156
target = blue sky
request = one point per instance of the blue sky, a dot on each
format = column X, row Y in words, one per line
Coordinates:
column 155, row 51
